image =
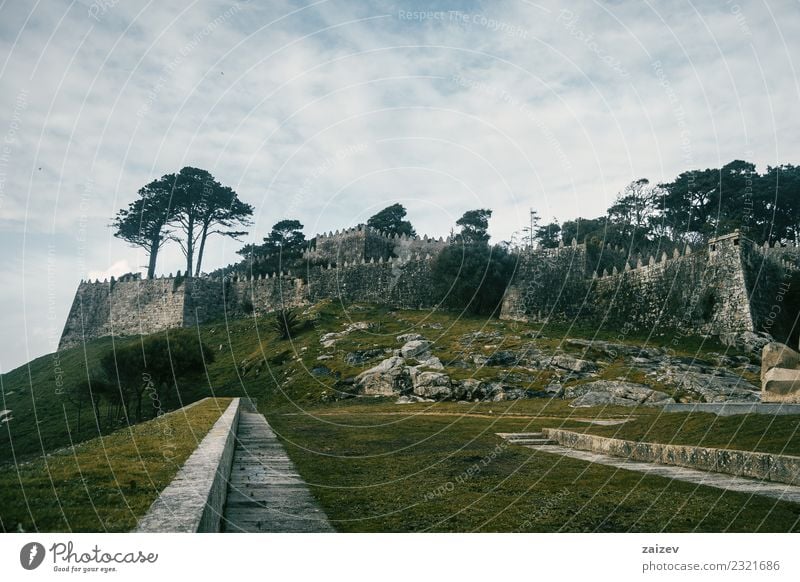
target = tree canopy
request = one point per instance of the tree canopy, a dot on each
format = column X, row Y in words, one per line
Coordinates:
column 187, row 207
column 692, row 208
column 391, row 220
column 474, row 226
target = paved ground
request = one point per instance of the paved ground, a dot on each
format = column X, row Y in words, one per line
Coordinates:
column 719, row 480
column 265, row 492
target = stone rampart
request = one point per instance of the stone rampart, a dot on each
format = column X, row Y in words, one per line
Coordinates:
column 763, row 466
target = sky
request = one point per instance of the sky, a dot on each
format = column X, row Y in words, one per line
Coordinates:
column 328, row 111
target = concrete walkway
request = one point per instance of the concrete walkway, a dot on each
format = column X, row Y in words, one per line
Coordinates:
column 265, row 492
column 779, row 491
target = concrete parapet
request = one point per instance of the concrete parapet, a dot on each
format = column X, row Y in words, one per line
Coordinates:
column 763, row 466
column 194, row 500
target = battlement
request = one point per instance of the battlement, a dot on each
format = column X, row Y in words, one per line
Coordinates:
column 132, row 306
column 364, row 242
column 727, row 286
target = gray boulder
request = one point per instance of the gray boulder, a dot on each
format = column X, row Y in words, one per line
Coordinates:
column 747, row 341
column 431, row 384
column 390, row 377
column 469, row 389
column 615, row 392
column 778, row 355
column 573, row 364
column 714, row 386
column 432, row 362
column 360, row 357
column 502, row 358
column 412, row 399
column 416, row 348
column 409, row 337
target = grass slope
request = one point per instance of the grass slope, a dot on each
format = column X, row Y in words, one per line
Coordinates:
column 442, row 468
column 378, row 466
column 107, row 483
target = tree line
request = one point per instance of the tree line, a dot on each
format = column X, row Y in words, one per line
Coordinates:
column 692, row 208
column 190, row 206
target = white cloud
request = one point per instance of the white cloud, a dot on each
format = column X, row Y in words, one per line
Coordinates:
column 118, row 268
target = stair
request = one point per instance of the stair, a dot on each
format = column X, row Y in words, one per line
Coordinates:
column 526, row 438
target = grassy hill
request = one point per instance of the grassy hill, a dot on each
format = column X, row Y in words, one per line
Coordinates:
column 286, row 374
column 380, row 466
column 104, row 484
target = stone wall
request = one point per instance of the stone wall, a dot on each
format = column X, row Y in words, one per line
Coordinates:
column 125, row 307
column 365, row 243
column 402, row 284
column 762, row 466
column 710, row 291
column 730, row 286
column 134, row 307
column 549, row 284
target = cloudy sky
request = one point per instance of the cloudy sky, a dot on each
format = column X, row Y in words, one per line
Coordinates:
column 328, row 111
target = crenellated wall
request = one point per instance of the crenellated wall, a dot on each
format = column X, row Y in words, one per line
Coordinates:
column 728, row 287
column 731, row 285
column 548, row 284
column 133, row 306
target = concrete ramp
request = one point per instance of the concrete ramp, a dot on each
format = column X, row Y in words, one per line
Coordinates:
column 265, row 492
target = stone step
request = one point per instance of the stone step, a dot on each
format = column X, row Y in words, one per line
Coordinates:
column 526, row 438
column 537, row 441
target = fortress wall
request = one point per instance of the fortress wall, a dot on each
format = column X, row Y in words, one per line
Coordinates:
column 348, row 245
column 266, row 295
column 659, row 295
column 406, row 247
column 123, row 308
column 705, row 292
column 769, row 274
column 732, row 285
column 397, row 283
column 89, row 315
column 549, row 284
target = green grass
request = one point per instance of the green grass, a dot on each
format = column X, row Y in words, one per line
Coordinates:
column 377, row 466
column 751, row 432
column 414, row 468
column 107, row 483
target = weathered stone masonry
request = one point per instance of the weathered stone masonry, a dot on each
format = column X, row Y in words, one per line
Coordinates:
column 134, row 306
column 729, row 286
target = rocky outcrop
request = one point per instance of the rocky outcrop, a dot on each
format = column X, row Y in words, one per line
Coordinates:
column 417, row 348
column 573, row 364
column 431, row 384
column 388, row 378
column 747, row 341
column 328, row 340
column 614, row 392
column 361, row 357
column 713, row 386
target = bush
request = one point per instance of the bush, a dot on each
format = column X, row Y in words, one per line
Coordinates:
column 286, row 323
column 152, row 365
column 473, row 276
column 247, row 306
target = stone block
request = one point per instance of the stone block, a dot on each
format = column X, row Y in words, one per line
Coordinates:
column 781, row 385
column 778, row 355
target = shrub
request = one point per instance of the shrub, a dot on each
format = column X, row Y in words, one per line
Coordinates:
column 286, row 323
column 473, row 276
